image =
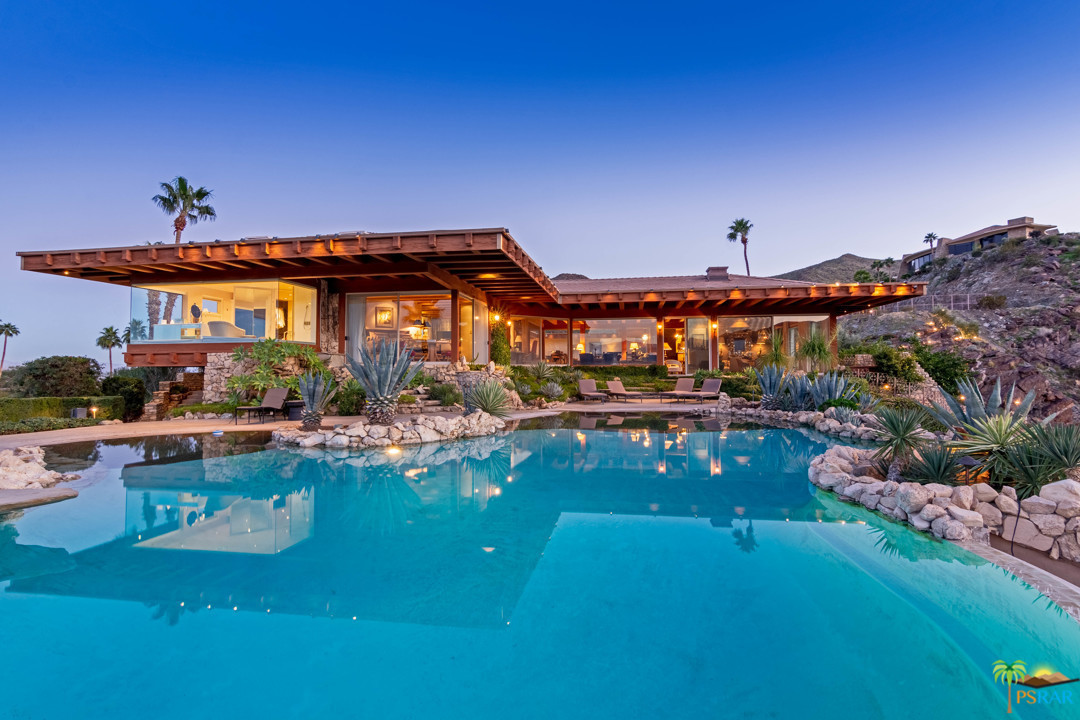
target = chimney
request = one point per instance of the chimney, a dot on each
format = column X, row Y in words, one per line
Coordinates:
column 717, row 273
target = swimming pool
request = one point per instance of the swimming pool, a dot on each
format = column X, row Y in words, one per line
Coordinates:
column 548, row 573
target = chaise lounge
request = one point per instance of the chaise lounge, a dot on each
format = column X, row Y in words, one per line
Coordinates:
column 684, row 390
column 615, row 389
column 710, row 389
column 273, row 402
column 587, row 390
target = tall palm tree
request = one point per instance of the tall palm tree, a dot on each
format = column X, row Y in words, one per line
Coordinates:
column 135, row 331
column 107, row 340
column 188, row 204
column 1009, row 673
column 7, row 330
column 930, row 238
column 740, row 231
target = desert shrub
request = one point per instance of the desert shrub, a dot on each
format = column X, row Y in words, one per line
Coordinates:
column 131, row 389
column 446, row 394
column 895, row 363
column 991, row 302
column 39, row 424
column 953, row 273
column 350, row 398
column 57, row 376
column 552, row 390
column 934, row 463
column 490, row 397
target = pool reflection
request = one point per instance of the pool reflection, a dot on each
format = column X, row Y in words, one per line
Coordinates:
column 340, row 534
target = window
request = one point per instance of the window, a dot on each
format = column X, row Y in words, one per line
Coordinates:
column 222, row 312
column 420, row 322
column 741, row 340
column 624, row 341
column 556, row 342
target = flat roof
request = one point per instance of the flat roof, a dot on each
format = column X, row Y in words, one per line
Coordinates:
column 486, row 263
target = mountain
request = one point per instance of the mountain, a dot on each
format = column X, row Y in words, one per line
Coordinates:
column 836, row 270
column 1038, row 681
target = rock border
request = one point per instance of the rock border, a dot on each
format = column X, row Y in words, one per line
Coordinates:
column 1048, row 522
column 411, row 431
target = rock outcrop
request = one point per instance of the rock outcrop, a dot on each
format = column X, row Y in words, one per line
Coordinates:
column 24, row 469
column 410, row 431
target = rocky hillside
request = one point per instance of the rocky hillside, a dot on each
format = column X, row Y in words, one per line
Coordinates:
column 839, row 269
column 1033, row 339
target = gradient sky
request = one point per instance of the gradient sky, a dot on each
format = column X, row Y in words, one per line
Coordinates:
column 611, row 139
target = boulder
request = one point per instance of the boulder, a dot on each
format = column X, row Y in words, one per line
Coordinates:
column 984, row 493
column 1068, row 508
column 833, row 480
column 939, row 490
column 853, row 491
column 991, row 515
column 932, row 512
column 337, row 441
column 1026, row 534
column 919, row 523
column 1009, row 492
column 870, row 500
column 970, row 518
column 950, row 529
column 1069, row 547
column 888, row 502
column 890, row 487
column 1036, row 505
column 963, row 496
column 1052, row 525
column 311, row 440
column 980, row 535
column 1060, row 491
column 912, row 497
column 1006, row 504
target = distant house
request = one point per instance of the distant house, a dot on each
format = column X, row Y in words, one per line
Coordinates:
column 1019, row 228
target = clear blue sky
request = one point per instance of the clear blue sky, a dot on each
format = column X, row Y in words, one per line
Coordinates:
column 614, row 139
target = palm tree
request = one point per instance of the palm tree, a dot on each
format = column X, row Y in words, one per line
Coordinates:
column 7, row 330
column 135, row 331
column 930, row 238
column 107, row 340
column 740, row 230
column 188, row 204
column 1009, row 673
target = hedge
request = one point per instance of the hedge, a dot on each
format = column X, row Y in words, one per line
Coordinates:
column 110, row 407
column 40, row 424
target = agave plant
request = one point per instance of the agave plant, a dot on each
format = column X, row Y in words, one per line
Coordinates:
column 1028, row 468
column 542, row 372
column 867, row 402
column 969, row 405
column 934, row 463
column 901, row 431
column 831, row 386
column 773, row 382
column 384, row 369
column 799, row 394
column 551, row 390
column 987, row 438
column 316, row 390
column 846, row 415
column 488, row 396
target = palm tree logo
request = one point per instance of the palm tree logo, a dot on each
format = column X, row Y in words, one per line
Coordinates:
column 1009, row 673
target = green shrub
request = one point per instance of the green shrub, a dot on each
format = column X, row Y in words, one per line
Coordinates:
column 447, row 394
column 490, row 397
column 131, row 389
column 57, row 376
column 741, row 385
column 500, row 344
column 947, row 368
column 839, row 402
column 350, row 398
column 404, row 399
column 421, row 379
column 629, row 374
column 991, row 302
column 894, row 363
column 934, row 463
column 39, row 424
column 16, row 409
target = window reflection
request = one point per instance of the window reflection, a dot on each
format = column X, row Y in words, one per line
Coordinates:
column 622, row 341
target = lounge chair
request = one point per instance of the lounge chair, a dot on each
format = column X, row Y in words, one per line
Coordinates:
column 684, row 390
column 587, row 390
column 710, row 390
column 615, row 389
column 273, row 402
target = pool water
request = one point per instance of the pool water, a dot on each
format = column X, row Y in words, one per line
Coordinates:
column 550, row 573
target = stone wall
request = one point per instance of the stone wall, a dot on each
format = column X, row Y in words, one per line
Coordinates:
column 1048, row 522
column 329, row 318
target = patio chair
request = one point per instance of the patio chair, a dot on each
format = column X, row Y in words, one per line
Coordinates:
column 273, row 402
column 587, row 390
column 710, row 390
column 684, row 390
column 615, row 389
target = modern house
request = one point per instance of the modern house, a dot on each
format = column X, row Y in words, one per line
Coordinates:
column 440, row 292
column 1020, row 228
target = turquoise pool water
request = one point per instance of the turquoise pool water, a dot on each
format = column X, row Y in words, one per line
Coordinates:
column 551, row 573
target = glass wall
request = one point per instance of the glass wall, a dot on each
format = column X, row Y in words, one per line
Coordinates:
column 525, row 337
column 621, row 341
column 792, row 330
column 556, row 341
column 207, row 312
column 421, row 322
column 741, row 341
